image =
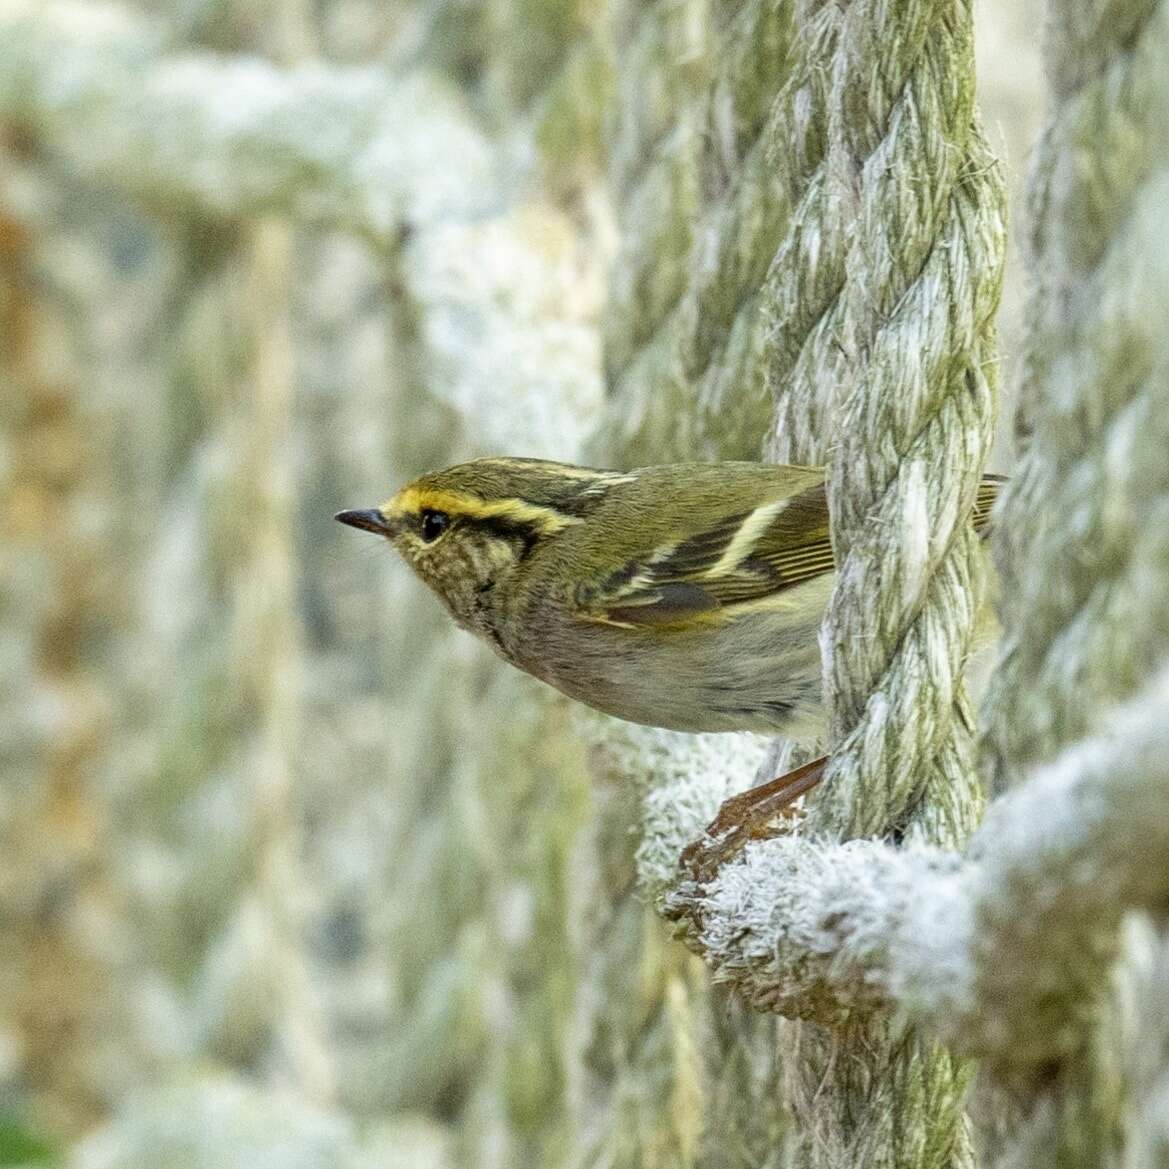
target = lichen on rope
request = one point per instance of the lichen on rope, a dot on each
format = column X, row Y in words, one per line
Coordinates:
column 986, row 947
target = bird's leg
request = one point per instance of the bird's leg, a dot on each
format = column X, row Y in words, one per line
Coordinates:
column 750, row 816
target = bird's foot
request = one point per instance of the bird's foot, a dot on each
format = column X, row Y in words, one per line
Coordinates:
column 754, row 815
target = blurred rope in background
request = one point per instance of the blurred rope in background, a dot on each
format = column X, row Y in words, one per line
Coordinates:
column 291, row 874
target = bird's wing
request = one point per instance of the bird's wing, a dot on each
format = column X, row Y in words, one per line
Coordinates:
column 745, row 558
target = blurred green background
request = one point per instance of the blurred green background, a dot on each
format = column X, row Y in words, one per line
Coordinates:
column 291, row 873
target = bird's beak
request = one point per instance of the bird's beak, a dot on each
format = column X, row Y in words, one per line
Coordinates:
column 369, row 521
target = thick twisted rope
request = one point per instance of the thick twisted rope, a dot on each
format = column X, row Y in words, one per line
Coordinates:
column 702, row 208
column 1085, row 564
column 911, row 324
column 806, row 282
column 884, row 296
column 1088, row 501
column 913, row 428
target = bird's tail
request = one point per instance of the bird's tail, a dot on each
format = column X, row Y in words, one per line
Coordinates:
column 988, row 492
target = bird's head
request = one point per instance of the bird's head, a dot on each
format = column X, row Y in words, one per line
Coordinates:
column 468, row 531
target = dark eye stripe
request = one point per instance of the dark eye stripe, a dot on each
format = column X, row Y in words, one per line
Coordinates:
column 503, row 529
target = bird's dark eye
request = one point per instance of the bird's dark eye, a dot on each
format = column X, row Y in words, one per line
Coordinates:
column 434, row 523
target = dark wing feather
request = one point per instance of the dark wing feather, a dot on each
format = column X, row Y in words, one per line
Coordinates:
column 706, row 571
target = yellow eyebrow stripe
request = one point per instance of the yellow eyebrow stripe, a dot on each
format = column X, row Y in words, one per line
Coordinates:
column 412, row 500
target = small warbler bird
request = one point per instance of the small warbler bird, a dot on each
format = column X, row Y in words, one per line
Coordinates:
column 686, row 596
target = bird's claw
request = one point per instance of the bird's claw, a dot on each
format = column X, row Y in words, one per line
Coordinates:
column 757, row 814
